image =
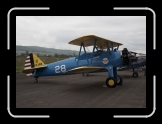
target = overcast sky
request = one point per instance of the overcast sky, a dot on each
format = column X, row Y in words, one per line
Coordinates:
column 57, row 31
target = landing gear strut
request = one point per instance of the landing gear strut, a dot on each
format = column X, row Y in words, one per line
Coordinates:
column 135, row 74
column 119, row 80
column 87, row 74
column 36, row 79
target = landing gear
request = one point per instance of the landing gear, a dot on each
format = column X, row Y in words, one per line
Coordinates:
column 35, row 80
column 87, row 74
column 135, row 74
column 111, row 82
column 119, row 80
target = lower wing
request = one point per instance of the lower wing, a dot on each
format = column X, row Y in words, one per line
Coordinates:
column 84, row 69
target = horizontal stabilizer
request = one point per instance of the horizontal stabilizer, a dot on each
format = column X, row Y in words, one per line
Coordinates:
column 29, row 70
column 84, row 69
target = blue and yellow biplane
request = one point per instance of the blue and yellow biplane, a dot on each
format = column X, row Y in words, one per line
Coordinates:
column 105, row 56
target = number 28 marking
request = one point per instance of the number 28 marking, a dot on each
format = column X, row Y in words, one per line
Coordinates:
column 59, row 69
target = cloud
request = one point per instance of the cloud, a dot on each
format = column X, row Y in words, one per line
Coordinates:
column 57, row 31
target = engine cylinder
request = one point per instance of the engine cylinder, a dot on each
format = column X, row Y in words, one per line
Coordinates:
column 125, row 56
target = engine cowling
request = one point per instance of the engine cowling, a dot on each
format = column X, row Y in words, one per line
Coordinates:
column 125, row 56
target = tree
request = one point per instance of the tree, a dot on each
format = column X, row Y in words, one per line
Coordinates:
column 27, row 53
column 56, row 55
column 22, row 54
column 38, row 54
column 74, row 54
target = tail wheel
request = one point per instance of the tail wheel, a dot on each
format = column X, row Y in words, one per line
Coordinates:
column 135, row 74
column 35, row 80
column 111, row 82
column 119, row 80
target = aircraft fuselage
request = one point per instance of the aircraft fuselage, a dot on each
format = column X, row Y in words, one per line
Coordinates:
column 103, row 59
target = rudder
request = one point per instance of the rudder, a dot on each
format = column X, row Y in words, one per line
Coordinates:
column 36, row 61
column 32, row 61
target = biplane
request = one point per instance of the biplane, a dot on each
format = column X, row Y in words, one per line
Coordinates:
column 130, row 60
column 105, row 55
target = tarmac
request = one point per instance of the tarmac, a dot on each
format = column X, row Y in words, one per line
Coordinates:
column 78, row 91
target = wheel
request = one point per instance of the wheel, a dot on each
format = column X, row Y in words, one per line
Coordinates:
column 83, row 74
column 119, row 80
column 111, row 82
column 36, row 80
column 135, row 74
column 87, row 74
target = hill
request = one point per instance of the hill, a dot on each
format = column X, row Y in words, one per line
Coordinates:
column 43, row 50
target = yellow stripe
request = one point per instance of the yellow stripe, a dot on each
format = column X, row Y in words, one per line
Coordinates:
column 85, row 69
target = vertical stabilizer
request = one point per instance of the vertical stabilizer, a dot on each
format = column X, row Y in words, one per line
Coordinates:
column 32, row 62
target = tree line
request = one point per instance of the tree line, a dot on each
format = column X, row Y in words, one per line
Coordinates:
column 48, row 55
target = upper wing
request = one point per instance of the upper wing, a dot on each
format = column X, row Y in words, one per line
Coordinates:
column 88, row 40
column 84, row 69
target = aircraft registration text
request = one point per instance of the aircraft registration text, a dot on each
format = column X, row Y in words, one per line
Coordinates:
column 59, row 69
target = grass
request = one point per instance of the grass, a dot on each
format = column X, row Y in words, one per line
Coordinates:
column 20, row 61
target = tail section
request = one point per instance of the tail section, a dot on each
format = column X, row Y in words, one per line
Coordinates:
column 32, row 62
column 36, row 61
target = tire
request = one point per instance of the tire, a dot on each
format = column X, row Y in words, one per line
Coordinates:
column 87, row 74
column 119, row 80
column 36, row 80
column 111, row 82
column 135, row 74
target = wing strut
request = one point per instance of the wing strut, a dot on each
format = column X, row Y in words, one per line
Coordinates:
column 112, row 46
column 82, row 45
column 85, row 52
column 93, row 50
column 79, row 53
column 108, row 47
column 117, row 47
